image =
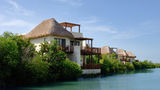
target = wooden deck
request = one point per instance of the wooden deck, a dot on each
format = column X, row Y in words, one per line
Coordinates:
column 126, row 60
column 91, row 51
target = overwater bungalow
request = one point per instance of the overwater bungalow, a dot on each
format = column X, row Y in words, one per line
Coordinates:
column 73, row 43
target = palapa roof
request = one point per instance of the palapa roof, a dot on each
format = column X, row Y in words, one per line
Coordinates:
column 130, row 54
column 49, row 27
column 121, row 52
column 106, row 50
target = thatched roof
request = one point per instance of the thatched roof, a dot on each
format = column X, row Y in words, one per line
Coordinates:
column 121, row 52
column 49, row 27
column 130, row 54
column 106, row 50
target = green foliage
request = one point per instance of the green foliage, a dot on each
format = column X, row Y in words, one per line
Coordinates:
column 38, row 69
column 51, row 52
column 21, row 64
column 70, row 70
column 15, row 54
column 60, row 68
column 94, row 59
column 8, row 58
column 143, row 65
column 110, row 64
column 157, row 65
column 65, row 70
column 129, row 66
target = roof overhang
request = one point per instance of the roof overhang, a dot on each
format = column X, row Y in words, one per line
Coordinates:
column 67, row 24
column 83, row 38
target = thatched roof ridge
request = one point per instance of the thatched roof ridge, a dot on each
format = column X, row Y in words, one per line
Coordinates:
column 49, row 27
column 106, row 50
column 121, row 52
column 130, row 54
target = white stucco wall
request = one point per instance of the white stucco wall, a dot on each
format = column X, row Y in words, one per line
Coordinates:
column 76, row 55
column 91, row 71
column 40, row 40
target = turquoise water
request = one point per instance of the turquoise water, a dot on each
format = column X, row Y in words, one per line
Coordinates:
column 139, row 80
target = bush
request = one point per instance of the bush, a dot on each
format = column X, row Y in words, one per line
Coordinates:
column 65, row 70
column 111, row 64
column 129, row 66
column 8, row 59
column 143, row 65
column 20, row 64
column 51, row 52
column 60, row 68
column 38, row 70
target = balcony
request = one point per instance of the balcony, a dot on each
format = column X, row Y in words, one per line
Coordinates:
column 91, row 66
column 126, row 60
column 91, row 51
column 68, row 49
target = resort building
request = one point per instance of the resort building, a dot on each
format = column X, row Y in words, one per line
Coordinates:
column 74, row 44
column 125, row 56
column 130, row 56
column 122, row 55
column 107, row 50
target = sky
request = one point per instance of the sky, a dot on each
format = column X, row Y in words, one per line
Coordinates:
column 133, row 25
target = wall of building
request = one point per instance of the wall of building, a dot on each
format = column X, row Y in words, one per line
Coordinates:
column 91, row 71
column 40, row 40
column 77, row 35
column 76, row 55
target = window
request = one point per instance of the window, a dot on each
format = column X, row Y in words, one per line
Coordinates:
column 61, row 42
column 44, row 39
column 74, row 43
column 71, row 43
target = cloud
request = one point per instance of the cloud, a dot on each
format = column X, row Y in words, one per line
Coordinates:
column 101, row 28
column 90, row 20
column 16, row 23
column 17, row 9
column 16, row 26
column 13, row 3
column 92, row 24
column 72, row 2
column 2, row 17
column 126, row 35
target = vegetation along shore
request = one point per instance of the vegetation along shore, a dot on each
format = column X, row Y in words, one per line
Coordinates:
column 21, row 64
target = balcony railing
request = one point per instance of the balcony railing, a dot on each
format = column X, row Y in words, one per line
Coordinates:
column 91, row 50
column 126, row 60
column 68, row 49
column 91, row 66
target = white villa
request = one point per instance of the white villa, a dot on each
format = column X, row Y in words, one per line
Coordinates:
column 125, row 56
column 74, row 44
column 107, row 50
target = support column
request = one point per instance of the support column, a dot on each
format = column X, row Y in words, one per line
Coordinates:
column 91, row 50
column 71, row 29
column 79, row 28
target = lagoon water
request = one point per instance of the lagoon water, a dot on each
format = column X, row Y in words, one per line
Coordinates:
column 139, row 80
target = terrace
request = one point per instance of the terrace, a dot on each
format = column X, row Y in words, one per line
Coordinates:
column 86, row 45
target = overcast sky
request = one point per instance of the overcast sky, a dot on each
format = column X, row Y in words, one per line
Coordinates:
column 133, row 25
